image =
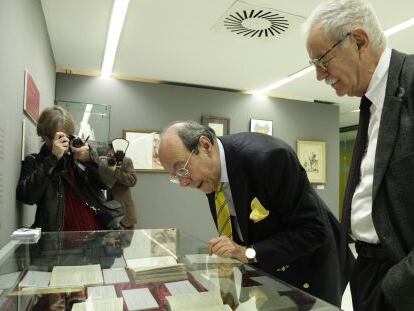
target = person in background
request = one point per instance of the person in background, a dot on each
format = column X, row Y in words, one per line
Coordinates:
column 346, row 44
column 121, row 169
column 264, row 208
column 61, row 176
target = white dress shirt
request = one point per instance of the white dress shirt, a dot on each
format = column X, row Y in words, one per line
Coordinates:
column 362, row 225
column 224, row 178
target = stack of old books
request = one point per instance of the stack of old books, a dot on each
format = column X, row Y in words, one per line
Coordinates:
column 156, row 269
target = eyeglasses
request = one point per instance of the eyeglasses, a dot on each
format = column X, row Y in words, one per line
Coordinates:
column 320, row 62
column 181, row 172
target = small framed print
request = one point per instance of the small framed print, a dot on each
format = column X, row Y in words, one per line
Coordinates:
column 31, row 100
column 221, row 126
column 143, row 149
column 261, row 126
column 312, row 156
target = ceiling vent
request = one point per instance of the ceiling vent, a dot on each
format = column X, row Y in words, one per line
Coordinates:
column 247, row 20
column 256, row 23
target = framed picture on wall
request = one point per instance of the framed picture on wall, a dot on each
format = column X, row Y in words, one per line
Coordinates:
column 220, row 125
column 31, row 100
column 143, row 149
column 261, row 126
column 312, row 156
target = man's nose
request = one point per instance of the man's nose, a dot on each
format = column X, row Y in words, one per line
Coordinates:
column 184, row 181
column 321, row 73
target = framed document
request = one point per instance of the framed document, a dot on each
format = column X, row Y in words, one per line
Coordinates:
column 143, row 149
column 312, row 156
column 221, row 126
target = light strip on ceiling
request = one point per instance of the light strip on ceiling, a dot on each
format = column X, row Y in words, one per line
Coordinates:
column 298, row 74
column 284, row 81
column 399, row 27
column 115, row 27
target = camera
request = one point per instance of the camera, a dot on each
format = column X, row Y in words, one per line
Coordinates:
column 75, row 141
column 117, row 158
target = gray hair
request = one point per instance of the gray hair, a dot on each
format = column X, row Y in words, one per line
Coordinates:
column 338, row 17
column 190, row 133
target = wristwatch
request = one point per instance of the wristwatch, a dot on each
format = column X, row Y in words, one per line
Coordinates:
column 250, row 254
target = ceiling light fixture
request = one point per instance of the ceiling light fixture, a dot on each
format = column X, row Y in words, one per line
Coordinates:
column 115, row 27
column 290, row 78
column 399, row 27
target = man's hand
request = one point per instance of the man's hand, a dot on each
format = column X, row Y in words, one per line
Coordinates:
column 60, row 145
column 223, row 246
column 82, row 153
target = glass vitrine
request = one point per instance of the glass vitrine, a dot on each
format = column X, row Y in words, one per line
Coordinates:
column 157, row 269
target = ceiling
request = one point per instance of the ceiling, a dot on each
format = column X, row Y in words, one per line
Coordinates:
column 185, row 41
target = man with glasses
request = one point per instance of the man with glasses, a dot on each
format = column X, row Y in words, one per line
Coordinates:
column 348, row 48
column 265, row 210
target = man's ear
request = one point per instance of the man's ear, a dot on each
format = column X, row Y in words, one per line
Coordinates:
column 361, row 38
column 204, row 144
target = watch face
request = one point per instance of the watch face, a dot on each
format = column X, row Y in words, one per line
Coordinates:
column 250, row 253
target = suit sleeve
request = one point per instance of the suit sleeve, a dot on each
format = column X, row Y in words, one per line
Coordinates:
column 126, row 175
column 398, row 284
column 295, row 205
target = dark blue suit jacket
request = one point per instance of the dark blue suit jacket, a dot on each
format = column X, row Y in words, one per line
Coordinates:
column 300, row 233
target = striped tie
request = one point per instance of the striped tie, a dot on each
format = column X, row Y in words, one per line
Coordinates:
column 223, row 213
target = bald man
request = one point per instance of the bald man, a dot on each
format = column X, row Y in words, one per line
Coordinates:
column 276, row 219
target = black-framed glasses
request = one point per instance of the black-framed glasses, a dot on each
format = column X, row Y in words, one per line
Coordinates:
column 181, row 172
column 321, row 62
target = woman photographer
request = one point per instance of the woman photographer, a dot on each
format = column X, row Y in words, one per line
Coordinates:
column 64, row 182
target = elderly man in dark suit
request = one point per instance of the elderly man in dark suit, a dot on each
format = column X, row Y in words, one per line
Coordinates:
column 348, row 48
column 262, row 203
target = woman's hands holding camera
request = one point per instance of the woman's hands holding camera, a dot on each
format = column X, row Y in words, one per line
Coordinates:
column 60, row 145
column 81, row 153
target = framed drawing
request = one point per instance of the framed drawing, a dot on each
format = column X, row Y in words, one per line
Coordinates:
column 312, row 156
column 220, row 125
column 31, row 100
column 261, row 126
column 143, row 149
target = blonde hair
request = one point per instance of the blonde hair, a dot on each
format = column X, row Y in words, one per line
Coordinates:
column 53, row 119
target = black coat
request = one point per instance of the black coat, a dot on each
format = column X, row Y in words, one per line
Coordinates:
column 298, row 241
column 37, row 186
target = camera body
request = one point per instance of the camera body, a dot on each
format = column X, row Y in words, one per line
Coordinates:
column 75, row 141
column 117, row 158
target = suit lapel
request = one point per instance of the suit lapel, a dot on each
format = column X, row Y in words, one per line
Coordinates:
column 389, row 121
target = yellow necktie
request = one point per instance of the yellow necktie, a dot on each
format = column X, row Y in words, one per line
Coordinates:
column 223, row 213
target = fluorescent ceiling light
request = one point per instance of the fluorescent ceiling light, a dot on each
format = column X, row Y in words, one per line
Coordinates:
column 115, row 27
column 284, row 81
column 388, row 32
column 85, row 128
column 399, row 27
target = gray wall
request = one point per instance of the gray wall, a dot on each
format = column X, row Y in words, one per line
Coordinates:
column 153, row 106
column 24, row 45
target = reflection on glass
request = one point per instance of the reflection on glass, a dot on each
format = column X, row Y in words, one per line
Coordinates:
column 165, row 266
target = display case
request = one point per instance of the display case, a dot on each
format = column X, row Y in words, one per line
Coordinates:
column 158, row 269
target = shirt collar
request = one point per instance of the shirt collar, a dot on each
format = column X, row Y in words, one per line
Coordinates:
column 224, row 177
column 378, row 79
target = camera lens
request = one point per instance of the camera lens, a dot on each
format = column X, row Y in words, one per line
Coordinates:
column 75, row 141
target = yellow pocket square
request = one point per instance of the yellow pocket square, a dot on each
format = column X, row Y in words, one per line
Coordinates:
column 258, row 211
